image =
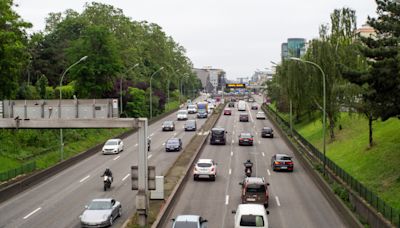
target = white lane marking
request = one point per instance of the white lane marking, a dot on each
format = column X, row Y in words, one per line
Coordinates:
column 256, row 132
column 231, row 153
column 230, row 171
column 127, row 175
column 175, row 134
column 269, row 173
column 259, row 142
column 33, row 212
column 83, row 179
column 277, row 201
column 233, row 132
column 148, row 157
column 151, row 135
column 227, row 200
column 116, row 157
column 163, row 144
column 233, row 141
column 136, row 144
column 263, row 154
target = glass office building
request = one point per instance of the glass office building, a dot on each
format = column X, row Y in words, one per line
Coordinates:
column 296, row 47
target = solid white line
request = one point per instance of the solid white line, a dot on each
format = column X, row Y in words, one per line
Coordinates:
column 230, row 171
column 227, row 200
column 84, row 179
column 136, row 144
column 263, row 154
column 269, row 173
column 277, row 201
column 231, row 153
column 127, row 175
column 148, row 157
column 116, row 157
column 33, row 212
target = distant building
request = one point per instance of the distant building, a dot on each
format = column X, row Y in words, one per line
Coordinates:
column 211, row 79
column 366, row 31
column 295, row 47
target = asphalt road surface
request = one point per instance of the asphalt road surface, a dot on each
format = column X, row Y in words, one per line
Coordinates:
column 58, row 201
column 295, row 200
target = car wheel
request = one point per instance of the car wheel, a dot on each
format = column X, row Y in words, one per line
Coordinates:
column 111, row 220
column 265, row 205
column 194, row 177
column 119, row 212
column 213, row 178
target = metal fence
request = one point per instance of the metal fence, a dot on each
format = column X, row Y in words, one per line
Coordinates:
column 7, row 175
column 381, row 206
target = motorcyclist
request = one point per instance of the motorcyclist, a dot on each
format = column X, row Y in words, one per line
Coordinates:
column 248, row 165
column 108, row 173
column 148, row 143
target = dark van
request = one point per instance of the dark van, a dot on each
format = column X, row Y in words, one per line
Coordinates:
column 255, row 190
column 218, row 136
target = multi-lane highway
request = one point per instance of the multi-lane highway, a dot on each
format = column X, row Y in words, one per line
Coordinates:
column 295, row 200
column 58, row 201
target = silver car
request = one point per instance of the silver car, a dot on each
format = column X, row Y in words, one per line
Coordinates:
column 101, row 213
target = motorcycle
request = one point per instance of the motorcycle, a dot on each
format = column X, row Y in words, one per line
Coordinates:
column 107, row 182
column 148, row 144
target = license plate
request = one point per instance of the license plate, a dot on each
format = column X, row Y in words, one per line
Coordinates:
column 217, row 140
column 283, row 167
column 203, row 176
column 250, row 199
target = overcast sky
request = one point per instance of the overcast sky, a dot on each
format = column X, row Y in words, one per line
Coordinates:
column 238, row 36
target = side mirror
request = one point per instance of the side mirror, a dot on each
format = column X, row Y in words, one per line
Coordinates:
column 241, row 183
column 203, row 221
column 267, row 212
column 173, row 220
column 226, row 132
column 233, row 211
column 267, row 184
column 86, row 206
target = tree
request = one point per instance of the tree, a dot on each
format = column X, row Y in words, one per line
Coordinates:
column 13, row 53
column 41, row 86
column 137, row 106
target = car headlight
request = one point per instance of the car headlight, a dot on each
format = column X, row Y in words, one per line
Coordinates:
column 105, row 217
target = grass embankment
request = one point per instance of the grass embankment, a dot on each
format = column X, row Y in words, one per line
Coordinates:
column 378, row 168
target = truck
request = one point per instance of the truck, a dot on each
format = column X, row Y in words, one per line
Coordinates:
column 202, row 109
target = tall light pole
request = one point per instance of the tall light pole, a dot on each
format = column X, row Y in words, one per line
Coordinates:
column 324, row 105
column 151, row 91
column 59, row 105
column 181, row 87
column 291, row 110
column 120, row 85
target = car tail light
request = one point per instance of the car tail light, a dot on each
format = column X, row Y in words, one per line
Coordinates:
column 241, row 139
column 195, row 168
column 251, row 139
column 212, row 169
column 289, row 163
column 277, row 163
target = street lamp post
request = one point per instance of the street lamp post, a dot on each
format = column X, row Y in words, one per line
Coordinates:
column 59, row 105
column 181, row 87
column 324, row 105
column 151, row 91
column 120, row 85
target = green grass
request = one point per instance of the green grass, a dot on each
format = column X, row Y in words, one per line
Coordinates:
column 171, row 105
column 378, row 168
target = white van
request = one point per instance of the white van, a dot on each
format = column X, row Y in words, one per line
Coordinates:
column 250, row 215
column 242, row 106
column 182, row 114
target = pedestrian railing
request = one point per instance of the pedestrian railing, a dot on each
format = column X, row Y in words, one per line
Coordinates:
column 381, row 206
column 26, row 168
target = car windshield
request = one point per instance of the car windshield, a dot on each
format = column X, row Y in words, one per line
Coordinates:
column 111, row 143
column 100, row 205
column 182, row 112
column 218, row 132
column 204, row 164
column 185, row 224
column 255, row 188
column 252, row 220
column 286, row 158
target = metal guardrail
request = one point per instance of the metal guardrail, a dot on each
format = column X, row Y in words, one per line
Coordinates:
column 25, row 168
column 373, row 199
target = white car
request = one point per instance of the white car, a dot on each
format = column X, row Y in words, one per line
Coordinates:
column 260, row 115
column 250, row 215
column 205, row 168
column 189, row 221
column 192, row 109
column 211, row 105
column 113, row 146
column 182, row 114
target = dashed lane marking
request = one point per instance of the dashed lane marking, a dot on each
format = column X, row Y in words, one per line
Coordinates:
column 116, row 157
column 126, row 176
column 277, row 201
column 227, row 200
column 269, row 173
column 33, row 212
column 83, row 179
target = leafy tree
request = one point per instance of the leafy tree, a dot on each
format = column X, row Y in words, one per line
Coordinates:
column 13, row 53
column 41, row 86
column 137, row 106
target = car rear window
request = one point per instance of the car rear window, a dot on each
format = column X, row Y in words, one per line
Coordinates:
column 204, row 164
column 285, row 158
column 255, row 188
column 219, row 133
column 99, row 205
column 252, row 220
column 246, row 135
column 112, row 143
column 185, row 224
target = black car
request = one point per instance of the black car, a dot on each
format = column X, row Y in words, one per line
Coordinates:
column 282, row 162
column 190, row 125
column 231, row 104
column 244, row 117
column 267, row 132
column 173, row 144
column 168, row 126
column 246, row 139
column 202, row 113
column 218, row 136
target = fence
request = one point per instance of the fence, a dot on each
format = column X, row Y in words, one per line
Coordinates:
column 386, row 210
column 28, row 167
